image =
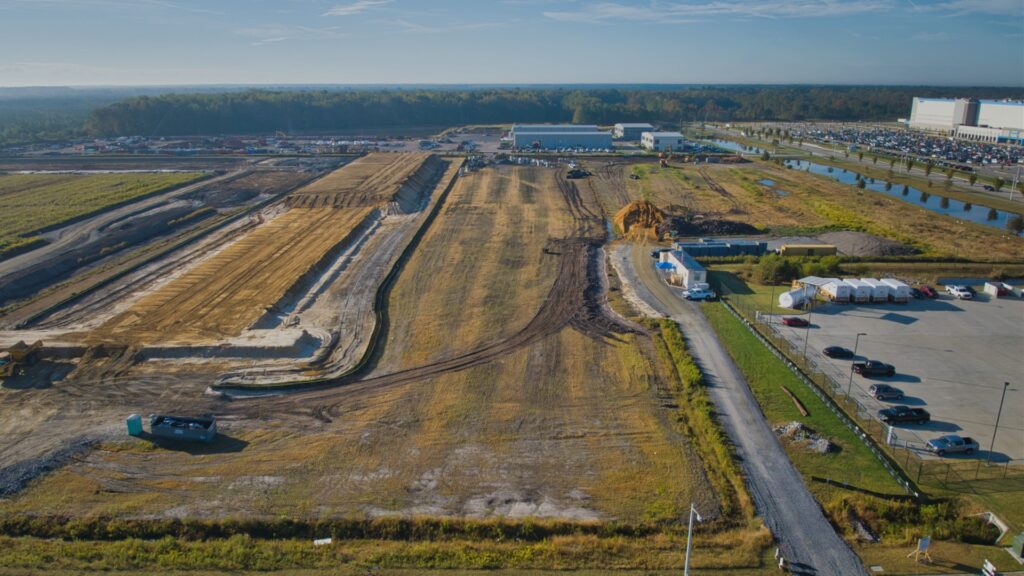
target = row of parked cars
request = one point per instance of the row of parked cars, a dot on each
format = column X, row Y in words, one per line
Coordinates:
column 900, row 414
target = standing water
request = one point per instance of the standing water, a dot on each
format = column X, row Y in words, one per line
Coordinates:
column 931, row 199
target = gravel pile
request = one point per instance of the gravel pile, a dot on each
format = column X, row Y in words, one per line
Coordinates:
column 797, row 432
column 863, row 244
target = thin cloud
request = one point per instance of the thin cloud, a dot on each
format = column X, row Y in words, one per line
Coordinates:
column 272, row 34
column 675, row 12
column 965, row 7
column 426, row 29
column 357, row 7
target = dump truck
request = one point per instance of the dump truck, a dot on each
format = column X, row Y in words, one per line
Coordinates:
column 15, row 359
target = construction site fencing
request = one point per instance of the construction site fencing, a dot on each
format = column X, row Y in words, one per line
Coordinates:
column 901, row 451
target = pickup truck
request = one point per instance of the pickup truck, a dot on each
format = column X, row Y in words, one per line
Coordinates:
column 873, row 368
column 700, row 294
column 898, row 414
column 952, row 444
column 959, row 292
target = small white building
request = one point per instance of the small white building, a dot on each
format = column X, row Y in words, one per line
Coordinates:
column 898, row 291
column 631, row 130
column 861, row 292
column 879, row 290
column 662, row 141
column 686, row 271
column 837, row 291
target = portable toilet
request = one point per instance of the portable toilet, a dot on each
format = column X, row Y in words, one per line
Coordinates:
column 898, row 291
column 837, row 291
column 860, row 291
column 879, row 291
column 134, row 423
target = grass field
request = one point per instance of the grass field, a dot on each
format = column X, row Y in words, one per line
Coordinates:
column 812, row 204
column 767, row 375
column 31, row 202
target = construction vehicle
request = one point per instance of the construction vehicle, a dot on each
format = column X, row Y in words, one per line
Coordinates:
column 15, row 359
column 663, row 159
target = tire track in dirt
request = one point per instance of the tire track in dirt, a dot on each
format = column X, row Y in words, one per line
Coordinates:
column 574, row 300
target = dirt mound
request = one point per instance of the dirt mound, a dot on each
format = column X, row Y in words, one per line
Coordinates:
column 695, row 225
column 639, row 220
column 863, row 244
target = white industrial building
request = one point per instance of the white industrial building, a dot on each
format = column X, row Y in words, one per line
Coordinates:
column 978, row 120
column 631, row 131
column 686, row 271
column 557, row 136
column 662, row 141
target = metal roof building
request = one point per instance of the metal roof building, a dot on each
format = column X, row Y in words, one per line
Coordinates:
column 631, row 130
column 556, row 136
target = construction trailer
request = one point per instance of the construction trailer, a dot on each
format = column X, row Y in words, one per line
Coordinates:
column 899, row 291
column 861, row 292
column 879, row 290
column 807, row 250
column 200, row 429
column 686, row 271
column 838, row 291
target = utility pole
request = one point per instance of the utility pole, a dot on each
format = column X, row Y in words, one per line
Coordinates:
column 689, row 533
column 810, row 315
column 992, row 446
column 849, row 388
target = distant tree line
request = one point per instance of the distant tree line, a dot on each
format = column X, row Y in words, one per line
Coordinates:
column 316, row 110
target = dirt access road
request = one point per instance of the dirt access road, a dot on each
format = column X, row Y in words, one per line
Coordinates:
column 806, row 538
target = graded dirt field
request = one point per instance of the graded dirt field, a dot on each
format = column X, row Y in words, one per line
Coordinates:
column 505, row 389
column 227, row 292
column 31, row 202
column 795, row 201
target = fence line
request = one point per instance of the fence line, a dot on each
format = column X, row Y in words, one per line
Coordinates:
column 903, row 460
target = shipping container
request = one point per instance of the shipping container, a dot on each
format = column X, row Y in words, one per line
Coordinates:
column 183, row 428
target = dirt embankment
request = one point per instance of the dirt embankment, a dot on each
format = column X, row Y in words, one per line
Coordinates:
column 853, row 243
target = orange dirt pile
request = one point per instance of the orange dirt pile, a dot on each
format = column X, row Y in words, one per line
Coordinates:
column 639, row 220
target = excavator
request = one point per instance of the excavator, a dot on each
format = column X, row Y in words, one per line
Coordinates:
column 15, row 359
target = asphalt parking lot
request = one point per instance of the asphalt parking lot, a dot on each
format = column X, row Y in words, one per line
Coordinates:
column 951, row 358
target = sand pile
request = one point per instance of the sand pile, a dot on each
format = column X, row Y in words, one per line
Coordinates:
column 639, row 220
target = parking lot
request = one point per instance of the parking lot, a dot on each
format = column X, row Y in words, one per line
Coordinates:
column 951, row 358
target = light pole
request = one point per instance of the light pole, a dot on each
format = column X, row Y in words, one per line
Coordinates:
column 771, row 305
column 996, row 429
column 689, row 532
column 807, row 332
column 849, row 388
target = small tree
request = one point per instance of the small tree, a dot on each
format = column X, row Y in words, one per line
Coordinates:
column 765, row 155
column 928, row 167
column 1015, row 224
column 992, row 214
column 998, row 183
column 910, row 164
column 888, row 186
column 944, row 202
column 967, row 207
column 906, row 189
column 860, row 183
column 972, row 178
column 874, row 160
column 860, row 156
column 892, row 163
column 949, row 173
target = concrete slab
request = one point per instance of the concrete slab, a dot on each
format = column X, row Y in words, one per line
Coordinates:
column 951, row 357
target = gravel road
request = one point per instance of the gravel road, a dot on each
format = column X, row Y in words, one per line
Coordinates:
column 806, row 539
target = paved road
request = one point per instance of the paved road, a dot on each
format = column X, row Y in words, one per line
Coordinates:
column 805, row 537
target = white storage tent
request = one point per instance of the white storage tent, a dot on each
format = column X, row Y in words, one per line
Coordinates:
column 898, row 291
column 879, row 291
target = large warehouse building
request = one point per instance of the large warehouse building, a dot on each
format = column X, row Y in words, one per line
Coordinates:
column 556, row 136
column 668, row 141
column 631, row 131
column 979, row 120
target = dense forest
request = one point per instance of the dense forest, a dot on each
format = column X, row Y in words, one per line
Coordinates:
column 325, row 110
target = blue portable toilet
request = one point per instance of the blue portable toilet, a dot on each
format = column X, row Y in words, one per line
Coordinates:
column 134, row 423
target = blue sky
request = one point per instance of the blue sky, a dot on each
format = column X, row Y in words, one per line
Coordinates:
column 130, row 42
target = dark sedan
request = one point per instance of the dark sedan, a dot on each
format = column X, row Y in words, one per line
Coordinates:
column 837, row 352
column 795, row 321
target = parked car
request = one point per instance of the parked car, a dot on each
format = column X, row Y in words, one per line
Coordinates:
column 971, row 289
column 700, row 294
column 952, row 444
column 837, row 352
column 904, row 414
column 989, row 188
column 873, row 368
column 927, row 291
column 885, row 392
column 959, row 292
column 795, row 321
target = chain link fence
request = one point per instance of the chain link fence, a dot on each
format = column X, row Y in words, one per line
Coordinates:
column 903, row 452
